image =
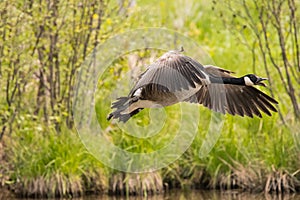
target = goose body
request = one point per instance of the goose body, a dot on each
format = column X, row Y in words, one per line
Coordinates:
column 174, row 78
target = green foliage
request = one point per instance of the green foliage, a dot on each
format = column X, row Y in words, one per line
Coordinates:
column 58, row 163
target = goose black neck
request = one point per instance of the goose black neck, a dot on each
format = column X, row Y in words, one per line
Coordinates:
column 227, row 80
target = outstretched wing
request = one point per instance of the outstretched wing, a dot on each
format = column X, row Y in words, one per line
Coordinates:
column 171, row 73
column 232, row 99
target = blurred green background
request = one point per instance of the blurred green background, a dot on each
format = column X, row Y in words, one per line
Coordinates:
column 44, row 43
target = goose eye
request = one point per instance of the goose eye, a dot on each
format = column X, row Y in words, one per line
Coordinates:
column 253, row 78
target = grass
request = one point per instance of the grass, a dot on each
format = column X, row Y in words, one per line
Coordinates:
column 143, row 184
column 47, row 164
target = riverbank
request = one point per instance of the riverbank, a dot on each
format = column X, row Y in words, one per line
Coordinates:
column 60, row 166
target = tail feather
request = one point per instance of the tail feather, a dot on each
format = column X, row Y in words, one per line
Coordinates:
column 121, row 101
column 121, row 105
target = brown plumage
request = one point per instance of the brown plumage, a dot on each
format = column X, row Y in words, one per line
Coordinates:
column 175, row 78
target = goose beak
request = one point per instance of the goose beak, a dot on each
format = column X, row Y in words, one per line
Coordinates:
column 259, row 81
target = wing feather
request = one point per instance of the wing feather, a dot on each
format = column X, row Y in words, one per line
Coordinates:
column 173, row 71
column 234, row 99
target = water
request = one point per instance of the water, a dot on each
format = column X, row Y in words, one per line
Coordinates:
column 182, row 195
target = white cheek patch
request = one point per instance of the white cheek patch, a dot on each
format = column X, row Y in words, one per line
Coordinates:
column 138, row 92
column 248, row 82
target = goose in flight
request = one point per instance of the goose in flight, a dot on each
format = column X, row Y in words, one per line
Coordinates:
column 174, row 78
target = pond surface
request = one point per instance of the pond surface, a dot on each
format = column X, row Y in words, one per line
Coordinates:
column 182, row 195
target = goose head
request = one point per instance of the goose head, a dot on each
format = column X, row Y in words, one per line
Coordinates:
column 251, row 79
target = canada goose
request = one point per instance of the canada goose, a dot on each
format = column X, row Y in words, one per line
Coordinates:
column 174, row 78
